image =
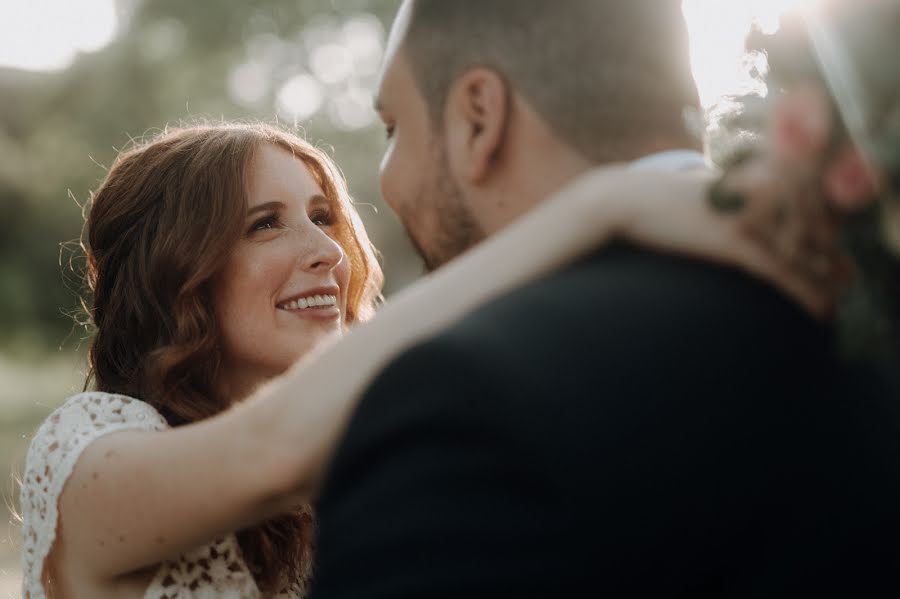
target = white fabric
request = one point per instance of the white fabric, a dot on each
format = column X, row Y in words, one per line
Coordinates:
column 214, row 570
column 672, row 160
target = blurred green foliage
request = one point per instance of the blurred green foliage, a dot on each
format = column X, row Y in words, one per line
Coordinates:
column 172, row 61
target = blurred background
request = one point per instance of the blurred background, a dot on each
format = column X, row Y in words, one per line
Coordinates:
column 79, row 80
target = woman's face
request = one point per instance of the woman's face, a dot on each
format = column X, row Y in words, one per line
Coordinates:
column 283, row 289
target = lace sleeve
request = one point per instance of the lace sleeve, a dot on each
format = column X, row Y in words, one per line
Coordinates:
column 59, row 441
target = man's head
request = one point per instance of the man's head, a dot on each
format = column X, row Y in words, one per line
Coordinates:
column 493, row 105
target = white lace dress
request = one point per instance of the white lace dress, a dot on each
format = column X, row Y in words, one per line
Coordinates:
column 214, row 570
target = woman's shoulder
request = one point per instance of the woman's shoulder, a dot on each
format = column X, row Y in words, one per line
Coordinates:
column 80, row 420
column 54, row 450
column 91, row 412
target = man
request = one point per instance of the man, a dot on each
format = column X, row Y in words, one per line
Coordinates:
column 492, row 107
column 636, row 424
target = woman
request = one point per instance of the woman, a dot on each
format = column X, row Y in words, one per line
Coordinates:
column 220, row 257
column 180, row 265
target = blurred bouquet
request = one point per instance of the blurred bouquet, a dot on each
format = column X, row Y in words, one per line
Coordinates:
column 831, row 117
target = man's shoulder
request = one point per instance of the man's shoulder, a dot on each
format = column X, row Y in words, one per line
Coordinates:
column 643, row 331
column 628, row 299
column 583, row 418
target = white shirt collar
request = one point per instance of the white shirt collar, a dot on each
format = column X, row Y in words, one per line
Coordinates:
column 675, row 160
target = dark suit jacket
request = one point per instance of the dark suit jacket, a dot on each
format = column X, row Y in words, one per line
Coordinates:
column 636, row 425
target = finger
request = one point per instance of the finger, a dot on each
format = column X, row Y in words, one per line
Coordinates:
column 813, row 293
column 794, row 221
column 817, row 277
column 726, row 242
column 765, row 207
column 725, row 239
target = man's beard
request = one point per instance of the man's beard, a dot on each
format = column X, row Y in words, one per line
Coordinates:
column 456, row 230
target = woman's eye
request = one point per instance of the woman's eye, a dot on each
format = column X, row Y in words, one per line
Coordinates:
column 268, row 222
column 322, row 218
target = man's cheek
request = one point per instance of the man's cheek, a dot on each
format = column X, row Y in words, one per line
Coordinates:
column 386, row 160
column 394, row 184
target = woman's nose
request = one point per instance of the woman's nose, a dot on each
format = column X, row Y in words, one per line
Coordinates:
column 321, row 253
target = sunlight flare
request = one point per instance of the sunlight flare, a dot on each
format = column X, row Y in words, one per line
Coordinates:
column 718, row 31
column 45, row 35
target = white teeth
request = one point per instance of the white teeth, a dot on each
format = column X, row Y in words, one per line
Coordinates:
column 311, row 302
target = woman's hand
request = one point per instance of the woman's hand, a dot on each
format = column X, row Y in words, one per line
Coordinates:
column 658, row 209
column 791, row 244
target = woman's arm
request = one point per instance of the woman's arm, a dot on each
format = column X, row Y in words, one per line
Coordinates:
column 137, row 498
column 658, row 209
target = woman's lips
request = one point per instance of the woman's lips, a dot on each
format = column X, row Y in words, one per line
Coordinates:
column 320, row 313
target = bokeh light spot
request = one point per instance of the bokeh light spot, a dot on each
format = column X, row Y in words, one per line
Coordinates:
column 300, row 97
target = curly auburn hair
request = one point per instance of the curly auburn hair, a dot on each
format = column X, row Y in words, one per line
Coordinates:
column 159, row 229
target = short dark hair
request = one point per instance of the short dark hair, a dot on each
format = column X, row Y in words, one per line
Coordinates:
column 609, row 77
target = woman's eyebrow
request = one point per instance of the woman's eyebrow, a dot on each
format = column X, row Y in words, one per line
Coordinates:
column 264, row 207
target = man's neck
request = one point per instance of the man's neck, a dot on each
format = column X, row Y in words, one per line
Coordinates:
column 541, row 175
column 532, row 187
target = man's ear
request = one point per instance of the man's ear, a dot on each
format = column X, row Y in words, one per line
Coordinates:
column 476, row 118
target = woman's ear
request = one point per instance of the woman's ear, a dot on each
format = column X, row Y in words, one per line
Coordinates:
column 476, row 119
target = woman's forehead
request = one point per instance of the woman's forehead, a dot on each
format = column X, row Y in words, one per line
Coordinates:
column 277, row 175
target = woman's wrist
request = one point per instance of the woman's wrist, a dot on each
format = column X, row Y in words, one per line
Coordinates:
column 263, row 446
column 606, row 202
